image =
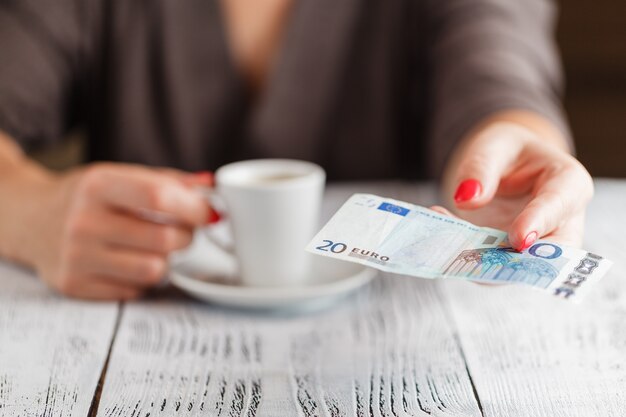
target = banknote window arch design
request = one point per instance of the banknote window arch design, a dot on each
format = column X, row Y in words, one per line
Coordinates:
column 495, row 264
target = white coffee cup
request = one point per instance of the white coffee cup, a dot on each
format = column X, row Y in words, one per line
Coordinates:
column 273, row 208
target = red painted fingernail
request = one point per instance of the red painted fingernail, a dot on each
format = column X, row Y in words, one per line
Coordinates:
column 213, row 217
column 205, row 177
column 529, row 240
column 468, row 190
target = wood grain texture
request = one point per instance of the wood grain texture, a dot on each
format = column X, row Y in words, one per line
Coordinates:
column 388, row 351
column 52, row 349
column 531, row 355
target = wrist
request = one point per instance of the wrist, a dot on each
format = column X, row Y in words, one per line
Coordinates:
column 25, row 188
column 537, row 126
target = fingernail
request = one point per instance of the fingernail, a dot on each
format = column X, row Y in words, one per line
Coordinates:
column 468, row 190
column 204, row 176
column 213, row 217
column 529, row 240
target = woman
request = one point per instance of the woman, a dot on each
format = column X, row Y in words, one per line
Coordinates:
column 466, row 89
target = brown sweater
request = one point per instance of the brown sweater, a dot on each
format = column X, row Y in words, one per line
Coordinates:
column 376, row 89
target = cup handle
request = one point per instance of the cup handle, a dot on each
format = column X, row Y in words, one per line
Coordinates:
column 211, row 232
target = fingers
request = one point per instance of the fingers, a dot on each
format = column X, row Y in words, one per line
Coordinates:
column 485, row 160
column 115, row 226
column 125, row 267
column 80, row 282
column 99, row 272
column 122, row 230
column 101, row 288
column 570, row 232
column 198, row 179
column 557, row 208
column 135, row 188
column 514, row 164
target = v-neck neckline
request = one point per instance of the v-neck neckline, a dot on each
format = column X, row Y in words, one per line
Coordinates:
column 290, row 117
column 255, row 99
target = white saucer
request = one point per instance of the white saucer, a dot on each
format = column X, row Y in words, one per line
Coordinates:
column 207, row 273
column 332, row 278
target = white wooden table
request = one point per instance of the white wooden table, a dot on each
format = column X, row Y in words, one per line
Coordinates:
column 399, row 347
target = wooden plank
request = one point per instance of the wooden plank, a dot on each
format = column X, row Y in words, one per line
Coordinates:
column 52, row 350
column 387, row 351
column 531, row 355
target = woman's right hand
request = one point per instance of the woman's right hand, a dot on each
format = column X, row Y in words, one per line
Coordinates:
column 90, row 239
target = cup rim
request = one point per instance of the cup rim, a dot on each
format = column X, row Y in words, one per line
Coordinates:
column 307, row 173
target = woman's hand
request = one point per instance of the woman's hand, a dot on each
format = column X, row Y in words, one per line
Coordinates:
column 93, row 237
column 513, row 177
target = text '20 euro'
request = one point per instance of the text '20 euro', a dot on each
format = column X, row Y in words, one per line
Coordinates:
column 403, row 238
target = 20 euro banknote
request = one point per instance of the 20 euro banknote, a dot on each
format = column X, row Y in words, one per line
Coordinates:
column 403, row 238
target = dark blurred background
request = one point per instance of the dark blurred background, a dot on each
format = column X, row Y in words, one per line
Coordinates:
column 592, row 37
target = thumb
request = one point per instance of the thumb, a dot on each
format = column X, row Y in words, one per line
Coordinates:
column 486, row 159
column 192, row 180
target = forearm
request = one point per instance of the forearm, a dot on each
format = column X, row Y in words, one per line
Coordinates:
column 23, row 183
column 503, row 60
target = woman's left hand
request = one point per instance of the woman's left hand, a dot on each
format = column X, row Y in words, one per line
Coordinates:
column 509, row 176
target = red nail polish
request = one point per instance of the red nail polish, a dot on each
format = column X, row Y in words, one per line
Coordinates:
column 529, row 240
column 213, row 217
column 468, row 190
